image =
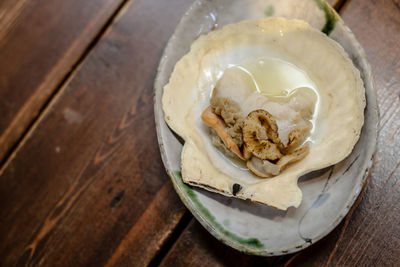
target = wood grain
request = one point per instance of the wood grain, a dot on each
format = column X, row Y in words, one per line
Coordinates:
column 87, row 186
column 370, row 234
column 40, row 41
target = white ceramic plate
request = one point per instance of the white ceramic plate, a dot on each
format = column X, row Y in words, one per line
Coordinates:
column 328, row 194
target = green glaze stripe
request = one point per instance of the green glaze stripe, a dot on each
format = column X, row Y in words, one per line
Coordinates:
column 250, row 242
column 330, row 16
column 269, row 11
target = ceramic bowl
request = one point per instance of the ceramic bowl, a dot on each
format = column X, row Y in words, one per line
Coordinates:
column 328, row 194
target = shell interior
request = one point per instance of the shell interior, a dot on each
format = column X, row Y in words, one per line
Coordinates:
column 309, row 59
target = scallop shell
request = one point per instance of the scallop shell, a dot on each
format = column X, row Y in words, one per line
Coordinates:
column 337, row 128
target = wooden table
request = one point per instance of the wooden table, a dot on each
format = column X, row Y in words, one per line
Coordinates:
column 81, row 179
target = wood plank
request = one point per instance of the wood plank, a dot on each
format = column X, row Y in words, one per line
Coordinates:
column 40, row 41
column 370, row 234
column 88, row 187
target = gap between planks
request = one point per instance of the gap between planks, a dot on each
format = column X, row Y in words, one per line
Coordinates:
column 120, row 10
column 339, row 5
column 173, row 237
